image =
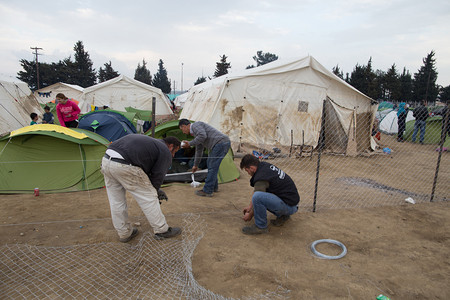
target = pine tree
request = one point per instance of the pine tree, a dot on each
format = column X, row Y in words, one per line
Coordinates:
column 160, row 79
column 85, row 75
column 392, row 85
column 338, row 72
column 263, row 58
column 424, row 84
column 107, row 73
column 200, row 80
column 406, row 85
column 444, row 94
column 142, row 74
column 222, row 66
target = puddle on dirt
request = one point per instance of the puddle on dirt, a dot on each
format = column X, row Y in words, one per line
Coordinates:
column 364, row 182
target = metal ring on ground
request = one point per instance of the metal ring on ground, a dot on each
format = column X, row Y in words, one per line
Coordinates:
column 318, row 254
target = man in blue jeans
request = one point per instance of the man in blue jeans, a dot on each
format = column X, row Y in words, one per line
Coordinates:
column 218, row 145
column 421, row 115
column 274, row 191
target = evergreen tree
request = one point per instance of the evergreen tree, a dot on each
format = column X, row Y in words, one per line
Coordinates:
column 249, row 67
column 357, row 79
column 107, row 73
column 406, row 84
column 85, row 75
column 200, row 80
column 444, row 94
column 222, row 67
column 392, row 84
column 142, row 74
column 160, row 79
column 338, row 72
column 365, row 80
column 424, row 84
column 264, row 58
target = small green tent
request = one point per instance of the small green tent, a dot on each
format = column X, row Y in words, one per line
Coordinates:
column 433, row 131
column 52, row 158
column 227, row 170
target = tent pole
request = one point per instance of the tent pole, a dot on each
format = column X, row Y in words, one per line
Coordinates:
column 441, row 146
column 320, row 146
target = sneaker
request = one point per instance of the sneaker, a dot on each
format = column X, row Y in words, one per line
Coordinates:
column 252, row 230
column 133, row 234
column 171, row 232
column 203, row 194
column 279, row 221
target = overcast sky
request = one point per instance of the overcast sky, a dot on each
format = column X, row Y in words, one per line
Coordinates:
column 190, row 35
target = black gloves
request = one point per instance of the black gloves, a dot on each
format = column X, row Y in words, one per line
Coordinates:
column 162, row 196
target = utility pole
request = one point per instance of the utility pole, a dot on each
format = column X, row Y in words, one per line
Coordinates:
column 37, row 64
column 182, row 77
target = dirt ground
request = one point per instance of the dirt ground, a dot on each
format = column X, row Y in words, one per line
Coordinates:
column 400, row 251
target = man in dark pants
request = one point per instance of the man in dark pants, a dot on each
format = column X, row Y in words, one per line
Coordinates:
column 274, row 191
column 421, row 115
column 138, row 164
column 218, row 145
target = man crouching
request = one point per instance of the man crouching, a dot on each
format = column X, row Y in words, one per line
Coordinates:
column 274, row 191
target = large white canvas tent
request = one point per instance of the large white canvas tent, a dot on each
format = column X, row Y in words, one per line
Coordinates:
column 48, row 94
column 17, row 103
column 121, row 92
column 281, row 104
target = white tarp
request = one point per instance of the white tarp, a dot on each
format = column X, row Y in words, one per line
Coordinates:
column 121, row 92
column 17, row 103
column 48, row 94
column 280, row 103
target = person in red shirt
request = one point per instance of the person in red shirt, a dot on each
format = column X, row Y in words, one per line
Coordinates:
column 67, row 111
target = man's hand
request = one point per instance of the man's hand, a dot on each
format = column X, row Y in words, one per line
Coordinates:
column 185, row 144
column 194, row 169
column 248, row 213
column 162, row 196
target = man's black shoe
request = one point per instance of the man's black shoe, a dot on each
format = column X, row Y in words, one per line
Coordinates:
column 171, row 232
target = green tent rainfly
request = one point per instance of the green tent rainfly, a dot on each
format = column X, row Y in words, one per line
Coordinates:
column 52, row 158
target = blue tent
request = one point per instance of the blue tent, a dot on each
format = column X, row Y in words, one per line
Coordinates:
column 110, row 124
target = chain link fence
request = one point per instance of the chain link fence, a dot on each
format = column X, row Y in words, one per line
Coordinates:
column 352, row 170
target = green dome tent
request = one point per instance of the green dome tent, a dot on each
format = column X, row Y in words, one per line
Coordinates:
column 433, row 131
column 52, row 158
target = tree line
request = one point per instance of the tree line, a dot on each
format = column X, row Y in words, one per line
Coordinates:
column 390, row 85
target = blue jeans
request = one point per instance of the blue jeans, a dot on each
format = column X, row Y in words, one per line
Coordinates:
column 215, row 157
column 419, row 125
column 263, row 202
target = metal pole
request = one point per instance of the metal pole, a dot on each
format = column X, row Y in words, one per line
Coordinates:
column 320, row 146
column 37, row 64
column 182, row 77
column 153, row 116
column 441, row 146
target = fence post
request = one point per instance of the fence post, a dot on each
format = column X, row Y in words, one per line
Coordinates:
column 153, row 116
column 441, row 146
column 320, row 145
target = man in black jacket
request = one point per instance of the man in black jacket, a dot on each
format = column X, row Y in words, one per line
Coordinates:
column 274, row 191
column 138, row 164
column 421, row 115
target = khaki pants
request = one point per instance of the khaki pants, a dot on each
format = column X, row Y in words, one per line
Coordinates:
column 120, row 178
